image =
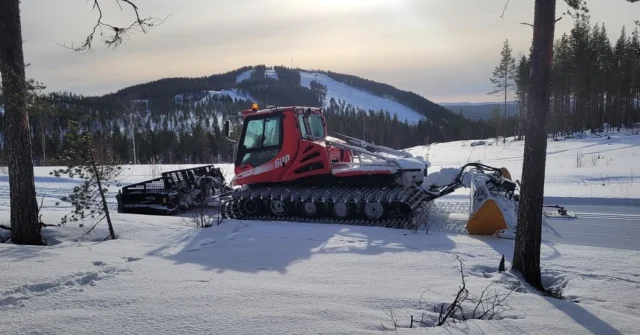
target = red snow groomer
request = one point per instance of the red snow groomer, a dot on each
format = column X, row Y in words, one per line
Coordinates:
column 288, row 166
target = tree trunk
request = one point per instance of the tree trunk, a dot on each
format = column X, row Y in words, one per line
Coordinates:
column 25, row 228
column 515, row 124
column 526, row 256
column 43, row 142
column 105, row 207
column 504, row 123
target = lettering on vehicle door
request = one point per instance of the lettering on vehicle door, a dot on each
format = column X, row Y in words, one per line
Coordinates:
column 281, row 161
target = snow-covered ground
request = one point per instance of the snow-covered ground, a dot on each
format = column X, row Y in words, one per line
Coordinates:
column 595, row 166
column 163, row 276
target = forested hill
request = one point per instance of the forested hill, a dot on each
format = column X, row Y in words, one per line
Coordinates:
column 179, row 119
column 284, row 86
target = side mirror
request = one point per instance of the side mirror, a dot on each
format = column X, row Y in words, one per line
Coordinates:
column 226, row 128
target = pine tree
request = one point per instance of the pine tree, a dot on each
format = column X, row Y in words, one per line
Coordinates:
column 503, row 78
column 88, row 199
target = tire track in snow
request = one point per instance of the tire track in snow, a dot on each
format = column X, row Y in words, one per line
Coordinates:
column 74, row 282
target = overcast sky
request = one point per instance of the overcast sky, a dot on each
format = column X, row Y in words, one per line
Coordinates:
column 444, row 50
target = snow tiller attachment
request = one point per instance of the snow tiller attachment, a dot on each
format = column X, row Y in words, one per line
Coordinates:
column 172, row 191
column 493, row 201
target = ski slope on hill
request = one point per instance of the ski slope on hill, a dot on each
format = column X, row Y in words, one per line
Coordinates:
column 358, row 98
column 246, row 75
column 350, row 95
column 162, row 274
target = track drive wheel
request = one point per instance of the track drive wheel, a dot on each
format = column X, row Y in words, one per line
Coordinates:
column 310, row 208
column 341, row 210
column 373, row 210
column 250, row 206
column 279, row 207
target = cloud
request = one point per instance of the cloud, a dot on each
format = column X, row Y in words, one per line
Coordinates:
column 435, row 48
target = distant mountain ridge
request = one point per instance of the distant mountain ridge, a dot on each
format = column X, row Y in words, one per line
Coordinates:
column 250, row 83
column 481, row 110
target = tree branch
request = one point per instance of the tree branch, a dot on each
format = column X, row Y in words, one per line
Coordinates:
column 530, row 25
column 504, row 10
column 460, row 297
column 579, row 7
column 113, row 36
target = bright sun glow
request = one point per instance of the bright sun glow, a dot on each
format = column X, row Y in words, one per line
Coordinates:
column 346, row 5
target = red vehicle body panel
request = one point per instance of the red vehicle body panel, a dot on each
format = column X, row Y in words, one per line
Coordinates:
column 297, row 155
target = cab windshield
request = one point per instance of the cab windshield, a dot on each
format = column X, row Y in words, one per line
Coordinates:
column 261, row 142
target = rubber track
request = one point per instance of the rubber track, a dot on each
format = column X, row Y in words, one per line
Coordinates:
column 414, row 198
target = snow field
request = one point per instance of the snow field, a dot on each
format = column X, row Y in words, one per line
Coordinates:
column 163, row 276
column 591, row 167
